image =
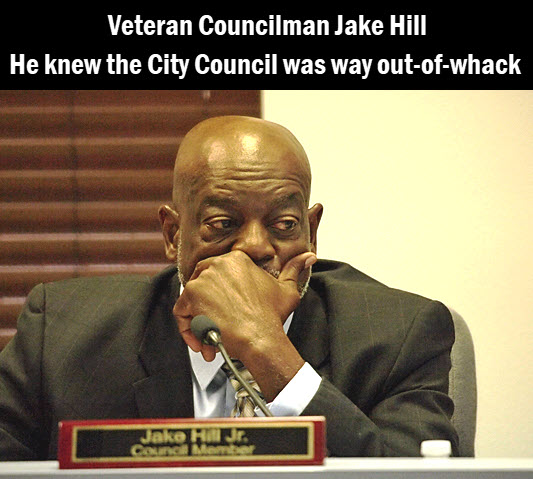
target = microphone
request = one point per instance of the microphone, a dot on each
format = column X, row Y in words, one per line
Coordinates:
column 206, row 330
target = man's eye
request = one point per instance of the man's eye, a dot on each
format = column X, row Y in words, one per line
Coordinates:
column 222, row 224
column 285, row 225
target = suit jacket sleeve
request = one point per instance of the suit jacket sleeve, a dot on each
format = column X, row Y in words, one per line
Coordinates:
column 90, row 348
column 21, row 407
column 403, row 402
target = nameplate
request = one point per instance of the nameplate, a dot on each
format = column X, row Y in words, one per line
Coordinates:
column 192, row 442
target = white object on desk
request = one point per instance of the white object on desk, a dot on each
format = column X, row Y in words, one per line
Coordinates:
column 436, row 448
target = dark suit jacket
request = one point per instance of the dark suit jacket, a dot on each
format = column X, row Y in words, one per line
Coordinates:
column 109, row 348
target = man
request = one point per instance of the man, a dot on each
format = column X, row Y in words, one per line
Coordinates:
column 374, row 361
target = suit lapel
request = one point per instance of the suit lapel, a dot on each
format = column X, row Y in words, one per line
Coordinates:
column 309, row 330
column 167, row 389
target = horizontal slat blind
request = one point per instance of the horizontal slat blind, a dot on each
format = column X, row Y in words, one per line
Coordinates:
column 82, row 174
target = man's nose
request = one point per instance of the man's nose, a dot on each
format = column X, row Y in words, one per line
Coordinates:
column 254, row 240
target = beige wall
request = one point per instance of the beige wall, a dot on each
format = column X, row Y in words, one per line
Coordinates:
column 432, row 192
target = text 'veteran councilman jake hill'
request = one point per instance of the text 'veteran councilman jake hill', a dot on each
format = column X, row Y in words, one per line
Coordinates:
column 273, row 25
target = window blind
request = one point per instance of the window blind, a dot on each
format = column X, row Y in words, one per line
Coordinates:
column 82, row 174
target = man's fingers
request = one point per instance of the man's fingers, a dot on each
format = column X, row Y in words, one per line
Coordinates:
column 184, row 327
column 202, row 265
column 292, row 269
column 208, row 352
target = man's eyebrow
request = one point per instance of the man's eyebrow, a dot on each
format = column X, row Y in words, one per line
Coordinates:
column 218, row 201
column 289, row 199
column 280, row 201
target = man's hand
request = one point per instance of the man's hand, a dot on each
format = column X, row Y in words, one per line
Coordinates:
column 248, row 304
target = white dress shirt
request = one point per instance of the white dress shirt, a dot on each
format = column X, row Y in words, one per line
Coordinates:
column 214, row 396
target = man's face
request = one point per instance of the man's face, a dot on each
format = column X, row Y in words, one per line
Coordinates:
column 250, row 195
column 266, row 219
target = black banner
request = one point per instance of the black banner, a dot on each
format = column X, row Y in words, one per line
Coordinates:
column 353, row 47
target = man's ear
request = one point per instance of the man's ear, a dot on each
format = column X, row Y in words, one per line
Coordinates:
column 314, row 214
column 170, row 224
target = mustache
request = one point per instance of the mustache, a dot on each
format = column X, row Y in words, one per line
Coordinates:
column 271, row 271
column 302, row 285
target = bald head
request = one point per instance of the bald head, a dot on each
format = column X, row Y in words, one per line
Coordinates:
column 232, row 145
column 240, row 184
